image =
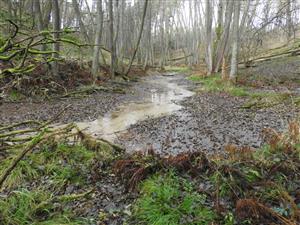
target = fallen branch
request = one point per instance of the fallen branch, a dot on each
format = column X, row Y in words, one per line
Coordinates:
column 38, row 139
column 20, row 124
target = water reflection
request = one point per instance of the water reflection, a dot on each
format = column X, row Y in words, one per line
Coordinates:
column 160, row 102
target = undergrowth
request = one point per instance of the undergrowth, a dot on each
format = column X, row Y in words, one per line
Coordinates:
column 169, row 199
column 59, row 163
column 34, row 207
column 214, row 83
column 35, row 188
column 256, row 100
column 179, row 69
column 246, row 186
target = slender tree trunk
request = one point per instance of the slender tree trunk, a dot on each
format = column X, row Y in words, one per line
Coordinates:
column 223, row 43
column 289, row 22
column 235, row 44
column 56, row 28
column 111, row 32
column 39, row 19
column 208, row 25
column 117, row 29
column 47, row 13
column 98, row 37
column 139, row 37
column 81, row 24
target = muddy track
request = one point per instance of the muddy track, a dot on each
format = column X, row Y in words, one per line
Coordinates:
column 207, row 122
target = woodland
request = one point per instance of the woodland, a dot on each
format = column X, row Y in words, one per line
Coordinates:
column 150, row 112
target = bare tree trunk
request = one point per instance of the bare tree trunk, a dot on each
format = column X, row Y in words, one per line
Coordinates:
column 235, row 44
column 47, row 13
column 139, row 37
column 98, row 37
column 111, row 32
column 79, row 19
column 117, row 28
column 208, row 25
column 39, row 19
column 56, row 28
column 289, row 22
column 223, row 43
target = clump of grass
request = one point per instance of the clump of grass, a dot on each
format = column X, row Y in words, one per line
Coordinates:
column 169, row 199
column 256, row 100
column 179, row 69
column 215, row 83
column 33, row 207
column 25, row 171
column 65, row 163
column 15, row 95
column 266, row 99
column 62, row 163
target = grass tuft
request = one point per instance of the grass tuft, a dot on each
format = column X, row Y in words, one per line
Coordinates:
column 216, row 84
column 33, row 207
column 179, row 69
column 169, row 199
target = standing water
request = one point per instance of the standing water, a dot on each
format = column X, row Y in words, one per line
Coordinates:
column 161, row 101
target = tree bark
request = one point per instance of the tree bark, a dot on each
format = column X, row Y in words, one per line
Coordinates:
column 47, row 13
column 208, row 25
column 56, row 28
column 223, row 43
column 111, row 36
column 289, row 21
column 235, row 44
column 98, row 37
column 39, row 19
column 81, row 24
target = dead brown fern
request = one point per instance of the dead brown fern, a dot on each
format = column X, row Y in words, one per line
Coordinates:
column 236, row 153
column 251, row 209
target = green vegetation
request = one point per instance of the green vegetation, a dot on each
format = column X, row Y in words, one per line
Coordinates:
column 34, row 207
column 256, row 100
column 266, row 99
column 48, row 162
column 216, row 84
column 245, row 187
column 14, row 95
column 169, row 199
column 178, row 69
column 58, row 165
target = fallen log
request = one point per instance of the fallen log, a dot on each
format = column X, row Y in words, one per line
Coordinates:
column 293, row 52
column 179, row 58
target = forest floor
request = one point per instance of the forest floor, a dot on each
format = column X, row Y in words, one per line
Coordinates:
column 214, row 117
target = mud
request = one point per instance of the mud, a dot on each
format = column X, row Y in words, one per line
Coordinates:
column 207, row 122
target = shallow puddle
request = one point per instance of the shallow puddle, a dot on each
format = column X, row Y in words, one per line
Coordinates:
column 160, row 101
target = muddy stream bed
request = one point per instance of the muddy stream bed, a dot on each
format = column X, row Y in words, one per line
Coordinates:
column 161, row 112
column 171, row 118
